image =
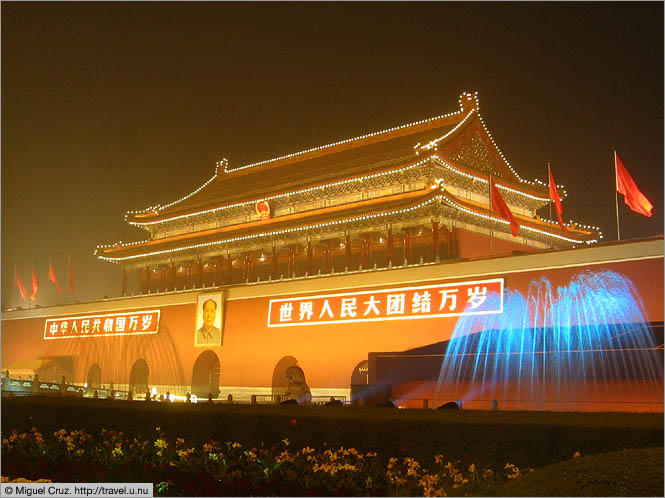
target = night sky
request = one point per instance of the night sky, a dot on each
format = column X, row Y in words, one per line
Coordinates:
column 111, row 107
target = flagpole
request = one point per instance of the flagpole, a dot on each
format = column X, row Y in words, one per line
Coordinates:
column 14, row 288
column 32, row 269
column 616, row 191
column 491, row 218
column 549, row 175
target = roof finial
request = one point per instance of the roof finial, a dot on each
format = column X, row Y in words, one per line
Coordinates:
column 221, row 167
column 468, row 101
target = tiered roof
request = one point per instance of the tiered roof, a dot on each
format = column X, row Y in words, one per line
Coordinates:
column 457, row 143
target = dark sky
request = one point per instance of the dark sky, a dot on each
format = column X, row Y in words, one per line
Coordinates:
column 110, row 107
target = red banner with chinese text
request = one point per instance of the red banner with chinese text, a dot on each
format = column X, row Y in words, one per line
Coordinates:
column 428, row 301
column 131, row 323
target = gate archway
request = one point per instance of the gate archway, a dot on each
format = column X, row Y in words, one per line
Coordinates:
column 94, row 377
column 359, row 382
column 139, row 375
column 205, row 375
column 279, row 382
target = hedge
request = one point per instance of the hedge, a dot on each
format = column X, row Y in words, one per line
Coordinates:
column 526, row 439
column 632, row 472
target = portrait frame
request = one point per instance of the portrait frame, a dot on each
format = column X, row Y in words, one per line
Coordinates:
column 201, row 335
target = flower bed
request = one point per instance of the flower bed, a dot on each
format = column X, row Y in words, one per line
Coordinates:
column 178, row 468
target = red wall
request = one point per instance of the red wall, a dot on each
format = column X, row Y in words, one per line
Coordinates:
column 327, row 353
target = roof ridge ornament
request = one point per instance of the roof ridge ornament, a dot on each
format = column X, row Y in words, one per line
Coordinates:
column 469, row 101
column 220, row 167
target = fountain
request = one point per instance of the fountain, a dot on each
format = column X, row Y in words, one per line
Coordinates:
column 585, row 346
column 114, row 357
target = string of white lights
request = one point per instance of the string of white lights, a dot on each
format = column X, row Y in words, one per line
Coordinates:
column 482, row 122
column 368, row 135
column 434, row 198
column 286, row 194
column 483, row 180
column 432, row 143
column 510, row 166
column 333, row 184
column 159, row 207
column 522, row 226
column 225, row 163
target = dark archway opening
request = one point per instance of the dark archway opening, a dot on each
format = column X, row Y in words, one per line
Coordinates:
column 205, row 375
column 138, row 377
column 94, row 377
column 359, row 382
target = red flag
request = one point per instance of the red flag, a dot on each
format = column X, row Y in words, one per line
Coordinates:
column 499, row 206
column 19, row 283
column 35, row 286
column 70, row 270
column 632, row 196
column 52, row 277
column 554, row 197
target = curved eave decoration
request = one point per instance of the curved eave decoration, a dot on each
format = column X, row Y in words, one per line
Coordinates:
column 149, row 249
column 517, row 194
column 467, row 114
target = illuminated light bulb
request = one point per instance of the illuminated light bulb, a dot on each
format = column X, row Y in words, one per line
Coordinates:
column 286, row 194
column 313, row 149
column 346, row 181
column 359, row 218
column 343, row 182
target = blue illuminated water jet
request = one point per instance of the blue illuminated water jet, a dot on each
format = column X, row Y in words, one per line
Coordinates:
column 584, row 346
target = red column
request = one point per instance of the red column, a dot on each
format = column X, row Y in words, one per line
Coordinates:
column 188, row 275
column 199, row 273
column 391, row 247
column 218, row 271
column 444, row 235
column 170, row 277
column 229, row 268
column 292, row 255
column 274, row 262
column 435, row 239
column 248, row 267
column 124, row 282
column 329, row 244
column 407, row 245
column 309, row 256
column 365, row 251
column 347, row 251
column 148, row 270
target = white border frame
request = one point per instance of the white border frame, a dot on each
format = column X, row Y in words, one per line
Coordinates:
column 383, row 319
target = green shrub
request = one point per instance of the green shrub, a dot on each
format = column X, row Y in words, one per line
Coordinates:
column 633, row 472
